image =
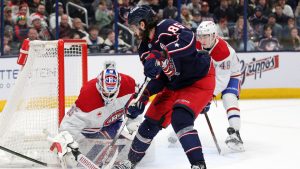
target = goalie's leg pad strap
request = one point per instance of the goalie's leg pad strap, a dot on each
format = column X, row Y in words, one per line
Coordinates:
column 141, row 142
column 183, row 124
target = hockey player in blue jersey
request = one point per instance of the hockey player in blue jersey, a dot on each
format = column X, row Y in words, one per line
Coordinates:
column 182, row 78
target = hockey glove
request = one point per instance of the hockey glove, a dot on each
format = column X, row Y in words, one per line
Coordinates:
column 151, row 68
column 138, row 108
column 206, row 108
column 64, row 144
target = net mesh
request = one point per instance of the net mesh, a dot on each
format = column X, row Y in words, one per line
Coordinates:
column 33, row 105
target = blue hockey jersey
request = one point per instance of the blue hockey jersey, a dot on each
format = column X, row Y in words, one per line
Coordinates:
column 183, row 65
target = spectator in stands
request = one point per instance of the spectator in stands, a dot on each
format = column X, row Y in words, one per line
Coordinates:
column 43, row 32
column 109, row 44
column 33, row 5
column 205, row 14
column 23, row 10
column 194, row 6
column 75, row 35
column 186, row 17
column 266, row 10
column 20, row 29
column 267, row 42
column 222, row 28
column 103, row 16
column 6, row 46
column 238, row 35
column 8, row 16
column 123, row 12
column 41, row 13
column 94, row 41
column 14, row 5
column 154, row 4
column 287, row 10
column 79, row 28
column 65, row 30
column 239, row 8
column 33, row 34
column 287, row 28
column 52, row 18
column 224, row 10
column 281, row 18
column 170, row 11
column 293, row 42
column 257, row 21
column 276, row 28
column 297, row 11
column 196, row 20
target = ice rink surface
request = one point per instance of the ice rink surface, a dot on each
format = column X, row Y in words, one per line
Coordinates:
column 270, row 131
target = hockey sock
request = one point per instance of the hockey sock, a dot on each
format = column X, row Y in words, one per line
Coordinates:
column 141, row 142
column 183, row 124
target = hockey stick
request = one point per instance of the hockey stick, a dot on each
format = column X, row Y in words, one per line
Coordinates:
column 132, row 102
column 212, row 133
column 23, row 156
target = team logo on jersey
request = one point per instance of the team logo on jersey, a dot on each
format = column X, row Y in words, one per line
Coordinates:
column 114, row 117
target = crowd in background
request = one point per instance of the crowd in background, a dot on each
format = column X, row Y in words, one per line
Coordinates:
column 271, row 24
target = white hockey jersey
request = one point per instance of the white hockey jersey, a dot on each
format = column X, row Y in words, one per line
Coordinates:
column 89, row 111
column 226, row 63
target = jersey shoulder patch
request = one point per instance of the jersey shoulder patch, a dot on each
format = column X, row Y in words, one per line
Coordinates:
column 220, row 51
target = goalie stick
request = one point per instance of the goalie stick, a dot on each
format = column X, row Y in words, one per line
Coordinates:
column 23, row 156
column 132, row 102
column 212, row 133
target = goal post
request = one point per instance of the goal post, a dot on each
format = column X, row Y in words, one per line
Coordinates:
column 49, row 81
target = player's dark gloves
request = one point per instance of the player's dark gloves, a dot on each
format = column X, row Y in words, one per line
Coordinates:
column 206, row 108
column 151, row 68
column 136, row 109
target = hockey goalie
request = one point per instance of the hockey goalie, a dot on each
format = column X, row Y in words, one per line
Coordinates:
column 95, row 118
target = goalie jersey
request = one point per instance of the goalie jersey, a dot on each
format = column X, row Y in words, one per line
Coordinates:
column 226, row 63
column 90, row 114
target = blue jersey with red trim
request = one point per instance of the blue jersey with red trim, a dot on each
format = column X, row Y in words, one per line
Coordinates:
column 183, row 65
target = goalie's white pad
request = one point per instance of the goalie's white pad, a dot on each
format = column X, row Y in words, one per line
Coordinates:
column 133, row 124
column 63, row 143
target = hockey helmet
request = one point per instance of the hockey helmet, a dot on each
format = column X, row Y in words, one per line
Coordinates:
column 108, row 84
column 141, row 13
column 207, row 33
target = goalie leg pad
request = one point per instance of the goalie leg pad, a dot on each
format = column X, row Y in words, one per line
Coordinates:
column 141, row 142
column 183, row 125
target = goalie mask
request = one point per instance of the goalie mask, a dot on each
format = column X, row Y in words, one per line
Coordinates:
column 207, row 34
column 108, row 85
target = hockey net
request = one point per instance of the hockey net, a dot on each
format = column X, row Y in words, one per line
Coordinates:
column 49, row 81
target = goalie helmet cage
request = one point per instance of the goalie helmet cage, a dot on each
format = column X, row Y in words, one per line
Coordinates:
column 49, row 81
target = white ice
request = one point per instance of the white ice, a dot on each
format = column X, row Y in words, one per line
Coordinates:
column 270, row 131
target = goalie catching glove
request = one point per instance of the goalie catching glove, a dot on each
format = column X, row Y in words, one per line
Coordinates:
column 64, row 143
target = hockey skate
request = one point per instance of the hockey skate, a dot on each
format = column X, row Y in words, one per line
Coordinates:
column 200, row 165
column 234, row 140
column 125, row 164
